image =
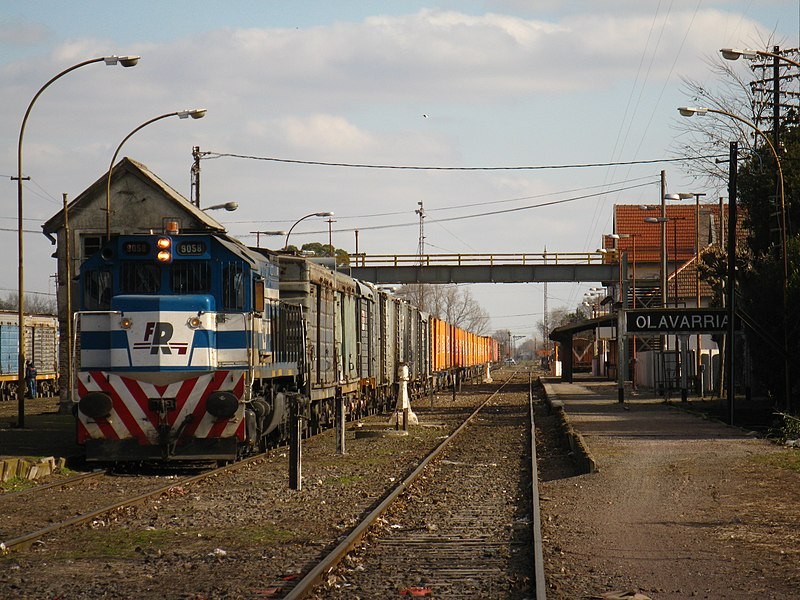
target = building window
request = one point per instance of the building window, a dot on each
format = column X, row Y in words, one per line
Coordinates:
column 90, row 245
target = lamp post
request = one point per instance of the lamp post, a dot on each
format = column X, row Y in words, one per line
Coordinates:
column 258, row 235
column 197, row 113
column 125, row 61
column 696, row 196
column 687, row 111
column 308, row 216
column 632, row 237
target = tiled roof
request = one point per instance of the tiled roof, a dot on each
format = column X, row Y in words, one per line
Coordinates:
column 643, row 241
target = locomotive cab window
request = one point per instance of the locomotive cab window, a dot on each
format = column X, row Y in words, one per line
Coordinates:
column 190, row 277
column 96, row 290
column 139, row 278
column 233, row 286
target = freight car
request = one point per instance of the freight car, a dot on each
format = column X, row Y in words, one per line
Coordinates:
column 192, row 345
column 41, row 346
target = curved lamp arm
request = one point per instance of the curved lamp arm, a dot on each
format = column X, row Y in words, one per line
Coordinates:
column 197, row 113
column 125, row 61
column 316, row 214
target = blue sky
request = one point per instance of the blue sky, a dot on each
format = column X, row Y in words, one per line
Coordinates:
column 454, row 84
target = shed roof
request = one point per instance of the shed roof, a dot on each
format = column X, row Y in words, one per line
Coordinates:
column 124, row 168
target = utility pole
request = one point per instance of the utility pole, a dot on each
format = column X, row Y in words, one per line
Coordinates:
column 421, row 254
column 195, row 179
column 330, row 222
column 663, row 224
column 421, row 243
column 730, row 287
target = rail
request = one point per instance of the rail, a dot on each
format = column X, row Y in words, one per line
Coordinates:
column 436, row 260
column 305, row 586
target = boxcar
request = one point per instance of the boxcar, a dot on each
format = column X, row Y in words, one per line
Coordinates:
column 41, row 346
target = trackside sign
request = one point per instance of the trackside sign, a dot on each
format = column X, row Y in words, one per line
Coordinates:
column 677, row 320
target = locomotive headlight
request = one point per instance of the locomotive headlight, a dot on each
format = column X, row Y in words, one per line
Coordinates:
column 194, row 322
column 95, row 405
column 126, row 323
column 164, row 245
column 222, row 405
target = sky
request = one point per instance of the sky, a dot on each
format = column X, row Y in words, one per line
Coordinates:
column 481, row 88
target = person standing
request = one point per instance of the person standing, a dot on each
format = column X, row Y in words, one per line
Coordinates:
column 30, row 378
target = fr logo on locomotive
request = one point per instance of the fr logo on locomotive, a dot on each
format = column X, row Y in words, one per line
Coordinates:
column 157, row 336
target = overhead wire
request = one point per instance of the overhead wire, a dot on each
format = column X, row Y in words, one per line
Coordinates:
column 483, row 214
column 459, row 206
column 215, row 155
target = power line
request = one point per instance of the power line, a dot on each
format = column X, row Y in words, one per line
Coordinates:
column 215, row 155
column 460, row 206
column 489, row 213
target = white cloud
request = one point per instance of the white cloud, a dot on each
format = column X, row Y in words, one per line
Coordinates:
column 498, row 88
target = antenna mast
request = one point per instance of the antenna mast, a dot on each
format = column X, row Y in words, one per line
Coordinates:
column 421, row 244
column 546, row 328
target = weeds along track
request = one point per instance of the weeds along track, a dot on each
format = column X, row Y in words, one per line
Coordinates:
column 245, row 533
column 460, row 526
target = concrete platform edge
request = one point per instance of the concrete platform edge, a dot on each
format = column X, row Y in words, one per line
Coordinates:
column 573, row 439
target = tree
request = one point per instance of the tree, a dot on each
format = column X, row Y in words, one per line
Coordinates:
column 773, row 326
column 451, row 303
column 321, row 250
column 36, row 304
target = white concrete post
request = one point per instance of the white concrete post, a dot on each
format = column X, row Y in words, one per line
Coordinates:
column 487, row 376
column 403, row 406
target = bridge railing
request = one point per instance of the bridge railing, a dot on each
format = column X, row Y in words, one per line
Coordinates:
column 437, row 260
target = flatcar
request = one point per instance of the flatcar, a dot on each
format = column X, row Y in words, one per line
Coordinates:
column 191, row 346
column 41, row 346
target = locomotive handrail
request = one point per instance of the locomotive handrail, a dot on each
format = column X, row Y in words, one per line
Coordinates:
column 429, row 260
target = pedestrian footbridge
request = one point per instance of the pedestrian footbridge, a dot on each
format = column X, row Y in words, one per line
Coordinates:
column 484, row 268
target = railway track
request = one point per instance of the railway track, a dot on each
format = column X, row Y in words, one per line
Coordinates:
column 462, row 525
column 245, row 534
column 32, row 514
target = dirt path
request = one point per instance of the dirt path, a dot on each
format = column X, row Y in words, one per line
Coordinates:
column 681, row 507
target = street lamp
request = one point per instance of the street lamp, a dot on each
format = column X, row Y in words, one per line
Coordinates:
column 229, row 206
column 196, row 113
column 316, row 214
column 125, row 61
column 735, row 54
column 688, row 112
column 258, row 235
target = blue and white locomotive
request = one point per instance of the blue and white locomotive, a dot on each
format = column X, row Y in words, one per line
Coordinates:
column 191, row 343
column 185, row 348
